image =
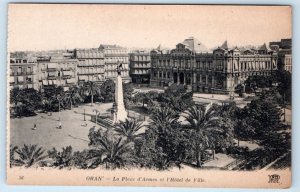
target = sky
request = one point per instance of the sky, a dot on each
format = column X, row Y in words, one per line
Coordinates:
column 66, row 26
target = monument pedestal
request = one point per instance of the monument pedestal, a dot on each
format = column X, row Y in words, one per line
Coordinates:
column 120, row 114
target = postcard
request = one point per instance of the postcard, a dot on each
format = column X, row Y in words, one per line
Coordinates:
column 149, row 95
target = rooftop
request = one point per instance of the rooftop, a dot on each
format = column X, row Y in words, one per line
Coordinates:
column 195, row 45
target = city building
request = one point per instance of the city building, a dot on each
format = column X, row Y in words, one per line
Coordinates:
column 114, row 56
column 23, row 73
column 285, row 60
column 284, row 49
column 140, row 66
column 219, row 71
column 57, row 71
column 91, row 66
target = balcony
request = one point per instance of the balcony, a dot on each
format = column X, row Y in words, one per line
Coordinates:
column 116, row 55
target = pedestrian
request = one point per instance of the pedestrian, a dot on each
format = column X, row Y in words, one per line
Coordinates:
column 34, row 127
column 59, row 126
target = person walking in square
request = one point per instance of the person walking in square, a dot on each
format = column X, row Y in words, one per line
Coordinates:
column 34, row 126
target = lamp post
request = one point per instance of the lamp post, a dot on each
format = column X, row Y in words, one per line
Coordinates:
column 83, row 114
column 59, row 124
column 97, row 112
column 59, row 98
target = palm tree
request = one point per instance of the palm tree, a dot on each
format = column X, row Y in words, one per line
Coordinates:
column 113, row 152
column 92, row 89
column 162, row 119
column 30, row 155
column 12, row 150
column 129, row 129
column 74, row 96
column 202, row 122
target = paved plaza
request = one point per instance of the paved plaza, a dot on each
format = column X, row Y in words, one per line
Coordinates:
column 74, row 130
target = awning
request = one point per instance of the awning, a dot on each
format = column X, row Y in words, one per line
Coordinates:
column 30, row 86
column 52, row 73
column 45, row 82
column 54, row 82
column 52, row 65
column 20, row 79
column 12, row 79
column 70, row 81
column 67, row 73
column 50, row 82
column 66, row 88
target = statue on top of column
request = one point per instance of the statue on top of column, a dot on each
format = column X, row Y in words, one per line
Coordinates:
column 119, row 67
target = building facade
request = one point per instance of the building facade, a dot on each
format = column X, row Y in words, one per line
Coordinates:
column 114, row 56
column 284, row 49
column 23, row 74
column 140, row 66
column 219, row 71
column 58, row 71
column 91, row 66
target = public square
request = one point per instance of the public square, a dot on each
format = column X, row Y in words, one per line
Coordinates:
column 74, row 130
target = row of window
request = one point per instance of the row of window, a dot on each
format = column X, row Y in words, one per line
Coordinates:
column 115, row 74
column 116, row 59
column 115, row 51
column 90, row 70
column 140, row 57
column 90, row 62
column 90, row 54
column 114, row 66
column 21, row 70
column 140, row 65
column 248, row 66
column 139, row 71
column 20, row 79
column 64, row 66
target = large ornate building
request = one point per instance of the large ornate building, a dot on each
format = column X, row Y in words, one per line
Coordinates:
column 219, row 71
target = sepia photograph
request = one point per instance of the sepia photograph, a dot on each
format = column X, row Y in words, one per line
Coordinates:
column 149, row 95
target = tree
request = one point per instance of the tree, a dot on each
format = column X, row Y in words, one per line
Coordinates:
column 25, row 101
column 129, row 129
column 163, row 144
column 141, row 97
column 112, row 151
column 284, row 80
column 177, row 97
column 107, row 90
column 162, row 119
column 30, row 155
column 264, row 116
column 203, row 123
column 61, row 159
column 73, row 96
column 91, row 88
column 12, row 151
column 53, row 98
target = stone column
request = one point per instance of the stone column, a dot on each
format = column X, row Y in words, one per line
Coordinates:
column 120, row 112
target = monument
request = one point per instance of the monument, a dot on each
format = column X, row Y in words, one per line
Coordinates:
column 119, row 112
